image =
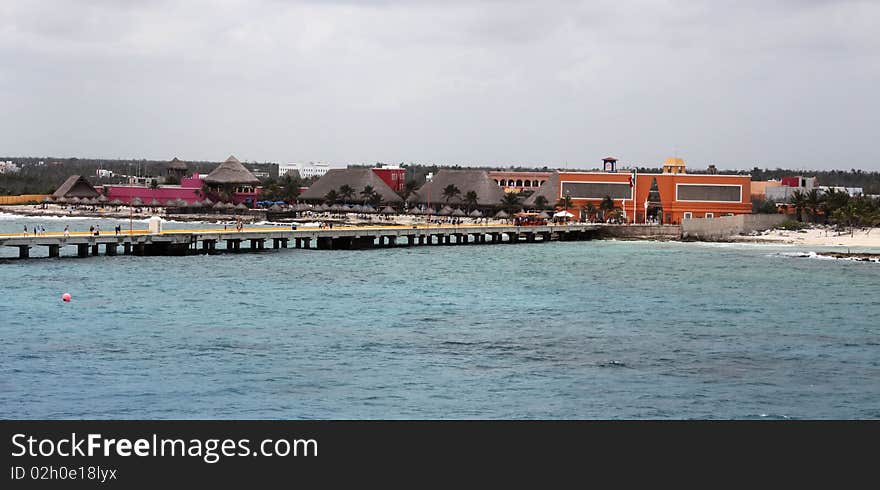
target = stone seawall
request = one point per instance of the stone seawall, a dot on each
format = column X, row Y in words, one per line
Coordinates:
column 724, row 227
column 638, row 232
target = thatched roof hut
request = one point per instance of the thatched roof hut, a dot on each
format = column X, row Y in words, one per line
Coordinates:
column 388, row 210
column 476, row 214
column 231, row 172
column 275, row 208
column 171, row 203
column 116, row 202
column 75, row 186
column 488, row 192
column 136, row 201
column 357, row 178
column 543, row 215
column 446, row 211
column 219, row 205
column 154, row 202
column 502, row 215
column 176, row 164
column 458, row 212
column 549, row 189
column 241, row 207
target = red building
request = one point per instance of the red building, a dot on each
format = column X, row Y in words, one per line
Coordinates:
column 392, row 175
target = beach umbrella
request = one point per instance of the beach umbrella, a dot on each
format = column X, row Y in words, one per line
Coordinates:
column 446, row 211
column 502, row 215
column 336, row 207
column 219, row 205
column 241, row 207
column 155, row 202
column 369, row 209
column 357, row 208
column 196, row 204
column 74, row 200
column 544, row 215
column 563, row 214
column 102, row 198
column 61, row 200
column 476, row 214
column 275, row 208
column 208, row 202
column 116, row 202
column 180, row 202
column 458, row 212
column 136, row 202
column 171, row 203
column 47, row 199
column 302, row 207
column 228, row 205
column 388, row 210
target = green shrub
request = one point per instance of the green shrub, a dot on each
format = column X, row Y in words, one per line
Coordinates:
column 791, row 225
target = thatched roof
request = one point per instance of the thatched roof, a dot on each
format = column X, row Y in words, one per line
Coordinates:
column 170, row 203
column 208, row 202
column 275, row 208
column 176, row 164
column 155, row 202
column 458, row 212
column 196, row 204
column 231, row 172
column 488, row 192
column 241, row 207
column 219, row 205
column 550, row 191
column 446, row 211
column 502, row 214
column 356, row 178
column 75, row 186
column 136, row 201
column 115, row 202
column 544, row 215
column 476, row 214
column 388, row 210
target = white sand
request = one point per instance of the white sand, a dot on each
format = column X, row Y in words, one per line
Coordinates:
column 819, row 236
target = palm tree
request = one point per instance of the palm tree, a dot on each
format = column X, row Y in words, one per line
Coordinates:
column 450, row 191
column 541, row 202
column 331, row 197
column 607, row 207
column 471, row 200
column 798, row 200
column 346, row 192
column 408, row 188
column 812, row 201
column 590, row 209
column 510, row 203
column 564, row 201
column 367, row 193
column 833, row 200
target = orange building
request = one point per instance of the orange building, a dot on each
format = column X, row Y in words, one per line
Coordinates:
column 518, row 181
column 660, row 197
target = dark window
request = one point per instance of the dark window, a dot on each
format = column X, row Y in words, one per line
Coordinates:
column 596, row 190
column 708, row 193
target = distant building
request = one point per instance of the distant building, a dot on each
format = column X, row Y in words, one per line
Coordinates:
column 489, row 193
column 8, row 167
column 518, row 181
column 176, row 169
column 75, row 186
column 103, row 173
column 852, row 191
column 667, row 197
column 306, row 170
column 393, row 175
column 787, row 186
column 357, row 178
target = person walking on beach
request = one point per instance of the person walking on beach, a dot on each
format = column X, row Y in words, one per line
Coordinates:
column 25, row 230
column 66, row 231
column 97, row 230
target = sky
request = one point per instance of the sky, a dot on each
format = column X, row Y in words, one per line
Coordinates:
column 738, row 84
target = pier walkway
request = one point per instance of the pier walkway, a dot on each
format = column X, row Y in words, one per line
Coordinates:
column 189, row 242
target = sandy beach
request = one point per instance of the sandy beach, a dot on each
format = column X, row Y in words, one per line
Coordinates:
column 820, row 236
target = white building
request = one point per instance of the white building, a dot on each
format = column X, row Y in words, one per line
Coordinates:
column 103, row 173
column 8, row 167
column 306, row 170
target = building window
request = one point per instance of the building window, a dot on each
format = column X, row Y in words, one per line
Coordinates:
column 710, row 215
column 688, row 215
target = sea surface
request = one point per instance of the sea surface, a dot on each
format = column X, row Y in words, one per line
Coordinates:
column 570, row 330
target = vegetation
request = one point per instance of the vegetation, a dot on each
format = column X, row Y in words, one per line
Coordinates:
column 471, row 200
column 564, row 202
column 510, row 203
column 331, row 197
column 346, row 192
column 541, row 202
column 836, row 207
column 408, row 189
column 450, row 192
column 791, row 225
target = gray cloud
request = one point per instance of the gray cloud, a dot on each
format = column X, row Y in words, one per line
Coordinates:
column 738, row 84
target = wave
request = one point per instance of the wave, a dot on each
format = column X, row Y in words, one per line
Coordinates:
column 818, row 256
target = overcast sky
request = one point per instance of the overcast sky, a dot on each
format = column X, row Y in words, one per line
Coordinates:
column 789, row 83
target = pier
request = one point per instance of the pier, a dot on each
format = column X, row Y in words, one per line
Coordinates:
column 192, row 242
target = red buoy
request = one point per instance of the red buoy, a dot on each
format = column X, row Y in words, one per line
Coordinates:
column 65, row 297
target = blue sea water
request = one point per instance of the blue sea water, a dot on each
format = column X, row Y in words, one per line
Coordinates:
column 569, row 330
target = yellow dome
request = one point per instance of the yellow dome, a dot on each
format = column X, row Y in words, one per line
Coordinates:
column 673, row 165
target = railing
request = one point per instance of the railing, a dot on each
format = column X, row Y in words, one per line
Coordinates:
column 22, row 198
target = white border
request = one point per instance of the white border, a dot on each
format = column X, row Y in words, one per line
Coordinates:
column 630, row 198
column 677, row 185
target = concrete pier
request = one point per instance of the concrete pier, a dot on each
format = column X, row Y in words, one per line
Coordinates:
column 179, row 242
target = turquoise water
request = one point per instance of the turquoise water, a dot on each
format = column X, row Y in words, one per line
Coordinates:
column 599, row 329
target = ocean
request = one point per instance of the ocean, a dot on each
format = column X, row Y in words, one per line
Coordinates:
column 562, row 330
